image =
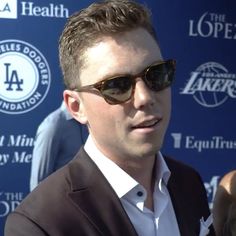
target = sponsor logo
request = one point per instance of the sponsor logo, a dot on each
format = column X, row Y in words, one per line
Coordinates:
column 211, row 85
column 177, row 139
column 192, row 143
column 8, row 9
column 51, row 10
column 9, row 201
column 211, row 188
column 212, row 25
column 16, row 149
column 25, row 77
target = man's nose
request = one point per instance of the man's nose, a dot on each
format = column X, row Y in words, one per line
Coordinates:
column 142, row 94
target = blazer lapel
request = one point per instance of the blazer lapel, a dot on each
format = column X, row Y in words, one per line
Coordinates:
column 184, row 215
column 179, row 209
column 96, row 199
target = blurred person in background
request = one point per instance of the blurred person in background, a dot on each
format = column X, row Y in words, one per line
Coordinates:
column 224, row 206
column 58, row 139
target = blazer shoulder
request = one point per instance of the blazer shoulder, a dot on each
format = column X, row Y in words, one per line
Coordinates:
column 178, row 166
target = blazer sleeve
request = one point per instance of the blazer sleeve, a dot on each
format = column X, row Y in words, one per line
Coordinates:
column 14, row 223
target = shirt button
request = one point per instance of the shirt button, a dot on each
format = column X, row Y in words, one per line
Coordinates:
column 140, row 193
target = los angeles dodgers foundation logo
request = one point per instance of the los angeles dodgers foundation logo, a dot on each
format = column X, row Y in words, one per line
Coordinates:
column 24, row 77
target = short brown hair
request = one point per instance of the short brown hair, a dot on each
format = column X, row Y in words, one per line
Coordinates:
column 86, row 27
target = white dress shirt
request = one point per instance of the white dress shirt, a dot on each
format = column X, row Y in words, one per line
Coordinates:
column 160, row 222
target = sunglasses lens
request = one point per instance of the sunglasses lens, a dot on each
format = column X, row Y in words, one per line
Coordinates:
column 159, row 77
column 117, row 90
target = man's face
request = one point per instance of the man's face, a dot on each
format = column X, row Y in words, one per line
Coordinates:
column 135, row 129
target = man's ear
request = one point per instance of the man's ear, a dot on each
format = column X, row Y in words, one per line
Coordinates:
column 75, row 106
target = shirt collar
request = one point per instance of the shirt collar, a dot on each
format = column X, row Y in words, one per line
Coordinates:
column 117, row 176
column 162, row 170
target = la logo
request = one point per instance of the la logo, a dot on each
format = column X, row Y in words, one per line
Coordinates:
column 12, row 78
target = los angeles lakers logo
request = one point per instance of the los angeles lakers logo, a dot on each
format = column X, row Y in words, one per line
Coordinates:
column 24, row 77
column 211, row 85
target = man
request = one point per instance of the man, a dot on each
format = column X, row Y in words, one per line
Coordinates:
column 119, row 184
column 58, row 139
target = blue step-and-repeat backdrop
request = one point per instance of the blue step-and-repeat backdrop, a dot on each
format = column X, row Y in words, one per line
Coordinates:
column 199, row 34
